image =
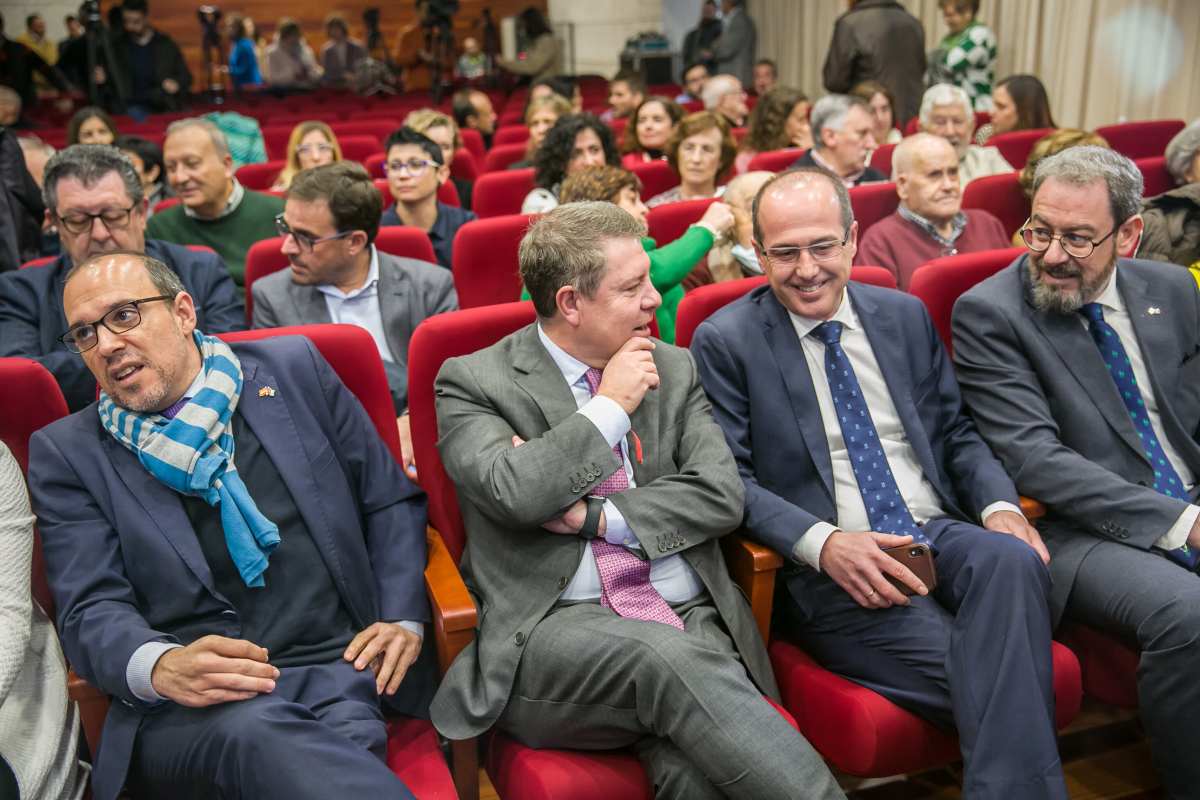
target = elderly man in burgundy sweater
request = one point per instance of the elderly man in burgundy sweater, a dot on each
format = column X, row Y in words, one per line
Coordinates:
column 930, row 221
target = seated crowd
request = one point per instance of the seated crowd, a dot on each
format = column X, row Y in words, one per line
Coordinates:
column 236, row 557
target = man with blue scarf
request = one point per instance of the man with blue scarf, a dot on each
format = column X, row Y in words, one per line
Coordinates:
column 230, row 547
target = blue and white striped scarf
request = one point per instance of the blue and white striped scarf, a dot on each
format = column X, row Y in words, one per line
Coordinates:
column 193, row 454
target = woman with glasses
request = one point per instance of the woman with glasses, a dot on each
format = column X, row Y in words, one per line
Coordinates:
column 443, row 131
column 311, row 144
column 701, row 150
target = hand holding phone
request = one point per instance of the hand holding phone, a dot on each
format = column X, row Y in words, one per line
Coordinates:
column 919, row 560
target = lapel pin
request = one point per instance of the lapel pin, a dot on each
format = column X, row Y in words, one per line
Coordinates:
column 266, row 391
column 1153, row 310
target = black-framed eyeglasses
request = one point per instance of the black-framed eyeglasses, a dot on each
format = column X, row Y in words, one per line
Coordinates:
column 1075, row 245
column 78, row 222
column 789, row 255
column 303, row 240
column 125, row 317
column 415, row 166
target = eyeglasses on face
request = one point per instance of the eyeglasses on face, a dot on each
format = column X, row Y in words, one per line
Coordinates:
column 1075, row 245
column 303, row 240
column 314, row 149
column 789, row 255
column 78, row 222
column 125, row 317
column 415, row 166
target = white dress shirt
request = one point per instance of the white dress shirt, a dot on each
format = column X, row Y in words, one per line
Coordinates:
column 671, row 575
column 360, row 307
column 1116, row 315
column 915, row 488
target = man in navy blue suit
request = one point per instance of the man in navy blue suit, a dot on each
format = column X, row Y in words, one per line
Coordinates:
column 245, row 614
column 841, row 408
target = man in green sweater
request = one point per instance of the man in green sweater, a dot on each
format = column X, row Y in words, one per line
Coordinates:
column 214, row 209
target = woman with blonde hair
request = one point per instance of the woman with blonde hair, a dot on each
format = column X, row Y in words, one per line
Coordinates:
column 540, row 116
column 779, row 120
column 701, row 150
column 443, row 131
column 311, row 144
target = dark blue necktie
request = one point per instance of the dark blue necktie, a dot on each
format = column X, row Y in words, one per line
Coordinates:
column 1166, row 479
column 886, row 509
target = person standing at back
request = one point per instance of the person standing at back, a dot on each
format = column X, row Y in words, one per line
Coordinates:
column 879, row 40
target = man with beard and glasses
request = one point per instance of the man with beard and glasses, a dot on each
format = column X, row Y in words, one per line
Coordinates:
column 1082, row 370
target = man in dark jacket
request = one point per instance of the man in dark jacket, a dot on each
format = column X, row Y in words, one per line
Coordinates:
column 94, row 197
column 880, row 41
column 150, row 68
column 21, row 208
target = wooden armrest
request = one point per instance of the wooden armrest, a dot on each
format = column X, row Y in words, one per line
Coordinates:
column 1031, row 508
column 753, row 569
column 93, row 708
column 454, row 614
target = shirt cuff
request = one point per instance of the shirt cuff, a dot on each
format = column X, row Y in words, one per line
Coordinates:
column 808, row 549
column 608, row 417
column 416, row 627
column 1177, row 536
column 616, row 529
column 140, row 669
column 1001, row 505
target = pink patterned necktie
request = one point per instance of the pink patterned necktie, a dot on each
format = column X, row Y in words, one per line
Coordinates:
column 624, row 578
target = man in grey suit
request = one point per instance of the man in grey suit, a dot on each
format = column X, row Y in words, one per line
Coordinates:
column 337, row 275
column 594, row 486
column 735, row 49
column 1083, row 372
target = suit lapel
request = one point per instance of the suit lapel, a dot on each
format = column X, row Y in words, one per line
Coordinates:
column 310, row 304
column 1153, row 332
column 539, row 377
column 394, row 287
column 793, row 368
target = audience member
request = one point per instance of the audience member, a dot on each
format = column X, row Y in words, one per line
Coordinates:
column 1172, row 219
column 883, row 110
column 214, row 209
column 260, row 47
column 91, row 125
column 543, row 57
column 669, row 264
column 672, row 635
column 694, row 77
column 565, row 86
column 19, row 64
column 415, row 169
column 724, row 94
column 735, row 49
column 473, row 109
column 75, row 32
column 1079, row 367
column 734, row 257
column 779, row 120
column 329, row 224
column 94, row 197
column 442, row 131
column 10, row 109
column 698, row 42
column 243, row 55
column 625, row 93
column 340, row 55
column 576, row 141
column 878, row 40
column 311, row 144
column 22, row 214
column 226, row 652
column 291, row 64
column 966, row 56
column 1019, row 103
column 883, row 456
column 766, row 76
column 39, row 723
column 147, row 159
column 946, row 112
column 842, row 140
column 646, row 137
column 930, row 221
column 34, row 37
column 701, row 151
column 472, row 65
column 151, row 70
column 37, row 153
column 540, row 117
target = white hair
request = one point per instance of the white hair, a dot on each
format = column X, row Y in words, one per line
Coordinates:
column 944, row 94
column 717, row 87
column 1181, row 151
column 216, row 134
column 829, row 113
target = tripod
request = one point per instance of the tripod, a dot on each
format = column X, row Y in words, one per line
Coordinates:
column 439, row 44
column 98, row 47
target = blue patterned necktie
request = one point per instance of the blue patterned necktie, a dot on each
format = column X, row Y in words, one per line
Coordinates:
column 886, row 509
column 1166, row 479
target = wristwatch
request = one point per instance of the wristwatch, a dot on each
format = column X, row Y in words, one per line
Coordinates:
column 591, row 523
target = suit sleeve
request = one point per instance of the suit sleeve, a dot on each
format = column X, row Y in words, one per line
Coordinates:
column 733, row 39
column 223, row 311
column 20, row 337
column 1003, row 390
column 392, row 509
column 264, row 313
column 440, row 295
column 98, row 618
column 769, row 518
column 838, row 73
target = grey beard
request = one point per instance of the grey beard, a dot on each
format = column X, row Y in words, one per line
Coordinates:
column 1059, row 301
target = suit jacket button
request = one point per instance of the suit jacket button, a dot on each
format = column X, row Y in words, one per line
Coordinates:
column 519, row 639
column 1122, row 535
column 562, row 582
column 229, row 612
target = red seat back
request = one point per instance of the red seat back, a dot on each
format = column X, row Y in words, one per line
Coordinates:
column 464, row 165
column 260, row 177
column 1002, row 196
column 38, row 262
column 940, row 282
column 498, row 193
column 164, row 204
column 1015, row 146
column 359, row 148
column 500, row 156
column 405, row 241
column 263, row 258
column 666, row 223
column 617, row 126
column 1154, row 173
column 1141, row 139
column 436, row 339
column 872, row 202
column 484, row 260
column 510, row 134
column 656, row 177
column 473, row 142
column 275, row 139
column 881, row 159
column 381, row 129
column 775, row 160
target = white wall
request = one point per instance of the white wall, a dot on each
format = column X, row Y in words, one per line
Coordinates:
column 602, row 26
column 53, row 11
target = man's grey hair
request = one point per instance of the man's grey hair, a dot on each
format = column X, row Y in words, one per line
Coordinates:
column 566, row 248
column 88, row 164
column 829, row 113
column 717, row 87
column 795, row 175
column 1080, row 166
column 945, row 94
column 165, row 279
column 218, row 138
column 1181, row 152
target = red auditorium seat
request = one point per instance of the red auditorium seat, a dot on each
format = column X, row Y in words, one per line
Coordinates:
column 374, row 166
column 500, row 156
column 359, row 148
column 259, row 176
column 381, row 129
column 740, row 134
column 872, row 202
column 498, row 193
column 656, row 177
column 484, row 260
column 38, row 262
column 1109, row 665
column 1141, row 139
column 275, row 139
column 1015, row 146
column 775, row 160
column 666, row 223
column 509, row 118
column 1002, row 196
column 881, row 159
column 939, row 283
column 165, row 203
column 473, row 142
column 465, row 165
column 510, row 134
column 1154, row 173
column 617, row 126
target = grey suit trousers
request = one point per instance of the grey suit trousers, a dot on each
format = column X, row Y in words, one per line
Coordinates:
column 590, row 679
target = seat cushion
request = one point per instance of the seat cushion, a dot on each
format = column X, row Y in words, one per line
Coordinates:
column 1109, row 665
column 414, row 755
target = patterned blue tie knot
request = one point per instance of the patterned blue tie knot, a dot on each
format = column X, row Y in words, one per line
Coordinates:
column 828, row 332
column 1093, row 311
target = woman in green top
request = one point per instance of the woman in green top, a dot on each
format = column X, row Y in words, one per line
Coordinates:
column 669, row 264
column 967, row 56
